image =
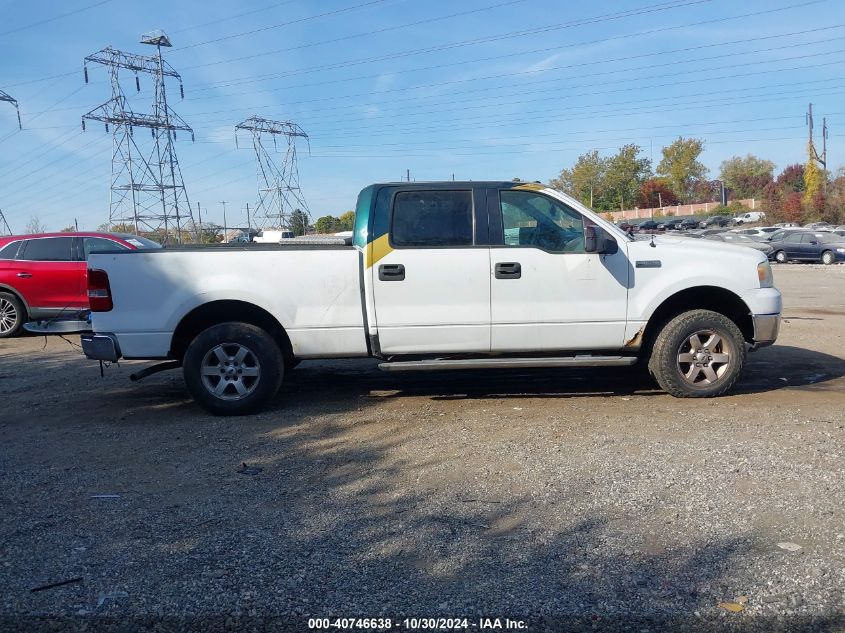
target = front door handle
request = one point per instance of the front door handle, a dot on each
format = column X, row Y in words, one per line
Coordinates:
column 24, row 275
column 391, row 272
column 508, row 270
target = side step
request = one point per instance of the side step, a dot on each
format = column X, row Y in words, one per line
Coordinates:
column 508, row 363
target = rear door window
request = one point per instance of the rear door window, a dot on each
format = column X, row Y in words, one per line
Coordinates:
column 49, row 249
column 10, row 251
column 432, row 219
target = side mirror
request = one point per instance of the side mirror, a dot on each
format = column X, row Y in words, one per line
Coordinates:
column 597, row 241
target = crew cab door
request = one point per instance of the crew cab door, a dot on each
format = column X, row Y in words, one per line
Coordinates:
column 50, row 275
column 547, row 293
column 430, row 278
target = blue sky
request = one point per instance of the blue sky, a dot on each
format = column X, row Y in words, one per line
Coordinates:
column 482, row 89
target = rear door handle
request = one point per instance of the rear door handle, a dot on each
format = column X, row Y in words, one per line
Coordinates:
column 508, row 270
column 25, row 275
column 391, row 272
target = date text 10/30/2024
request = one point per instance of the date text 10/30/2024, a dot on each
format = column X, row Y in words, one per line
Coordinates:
column 417, row 624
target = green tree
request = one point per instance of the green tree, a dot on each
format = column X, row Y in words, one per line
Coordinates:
column 814, row 179
column 326, row 224
column 346, row 221
column 746, row 177
column 298, row 222
column 681, row 167
column 625, row 173
column 585, row 181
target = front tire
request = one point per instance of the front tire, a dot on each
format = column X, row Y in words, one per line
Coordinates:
column 698, row 354
column 12, row 315
column 233, row 368
column 828, row 258
column 781, row 258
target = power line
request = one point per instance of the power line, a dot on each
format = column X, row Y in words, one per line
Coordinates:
column 223, row 38
column 53, row 19
column 357, row 35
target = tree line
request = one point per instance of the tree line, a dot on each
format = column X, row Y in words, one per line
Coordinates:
column 800, row 193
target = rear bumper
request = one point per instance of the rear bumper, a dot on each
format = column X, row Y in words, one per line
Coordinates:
column 766, row 327
column 101, row 347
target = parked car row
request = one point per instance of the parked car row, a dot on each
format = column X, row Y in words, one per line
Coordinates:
column 45, row 276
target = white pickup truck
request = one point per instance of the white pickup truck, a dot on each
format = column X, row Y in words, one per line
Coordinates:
column 439, row 276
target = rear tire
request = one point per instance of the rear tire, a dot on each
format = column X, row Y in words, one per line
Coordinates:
column 828, row 258
column 12, row 315
column 698, row 354
column 233, row 368
column 781, row 258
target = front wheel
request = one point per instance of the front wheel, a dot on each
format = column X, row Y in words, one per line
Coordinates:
column 780, row 257
column 698, row 354
column 828, row 258
column 233, row 368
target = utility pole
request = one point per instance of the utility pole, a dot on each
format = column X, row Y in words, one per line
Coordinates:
column 148, row 193
column 199, row 223
column 225, row 228
column 5, row 96
column 812, row 146
column 76, row 225
column 279, row 192
column 248, row 225
column 408, row 175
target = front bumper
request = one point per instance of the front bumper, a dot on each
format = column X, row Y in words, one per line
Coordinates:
column 766, row 327
column 101, row 347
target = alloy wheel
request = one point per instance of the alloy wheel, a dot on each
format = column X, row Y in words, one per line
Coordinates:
column 8, row 316
column 230, row 371
column 703, row 358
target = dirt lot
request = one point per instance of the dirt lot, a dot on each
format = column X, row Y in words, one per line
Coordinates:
column 576, row 499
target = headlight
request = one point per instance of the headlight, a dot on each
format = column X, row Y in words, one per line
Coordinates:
column 764, row 274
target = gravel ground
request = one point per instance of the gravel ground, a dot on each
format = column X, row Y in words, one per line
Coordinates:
column 576, row 500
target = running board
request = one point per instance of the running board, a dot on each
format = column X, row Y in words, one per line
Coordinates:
column 509, row 363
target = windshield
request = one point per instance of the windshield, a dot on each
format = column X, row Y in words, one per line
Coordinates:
column 139, row 242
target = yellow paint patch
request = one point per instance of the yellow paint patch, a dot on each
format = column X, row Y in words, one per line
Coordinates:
column 377, row 249
column 733, row 607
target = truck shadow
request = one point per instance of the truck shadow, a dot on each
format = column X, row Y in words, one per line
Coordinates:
column 768, row 369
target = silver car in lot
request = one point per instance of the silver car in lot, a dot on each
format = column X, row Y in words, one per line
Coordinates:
column 737, row 240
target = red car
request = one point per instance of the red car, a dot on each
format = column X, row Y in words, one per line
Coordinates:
column 44, row 276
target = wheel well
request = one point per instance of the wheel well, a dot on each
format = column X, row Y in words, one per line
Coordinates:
column 215, row 312
column 18, row 296
column 700, row 298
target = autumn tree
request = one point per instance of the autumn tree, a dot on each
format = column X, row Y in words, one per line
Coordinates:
column 585, row 180
column 346, row 221
column 655, row 192
column 681, row 166
column 326, row 224
column 624, row 175
column 746, row 176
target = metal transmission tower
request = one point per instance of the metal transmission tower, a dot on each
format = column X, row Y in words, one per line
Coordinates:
column 147, row 190
column 279, row 195
column 5, row 96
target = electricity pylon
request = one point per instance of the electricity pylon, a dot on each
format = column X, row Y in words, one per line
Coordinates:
column 5, row 96
column 147, row 190
column 279, row 194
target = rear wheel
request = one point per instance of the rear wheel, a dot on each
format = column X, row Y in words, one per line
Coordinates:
column 233, row 368
column 828, row 258
column 12, row 315
column 698, row 354
column 780, row 257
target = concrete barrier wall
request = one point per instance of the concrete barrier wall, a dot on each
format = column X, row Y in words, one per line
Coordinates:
column 681, row 210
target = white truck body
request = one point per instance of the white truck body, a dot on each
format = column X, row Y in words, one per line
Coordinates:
column 339, row 301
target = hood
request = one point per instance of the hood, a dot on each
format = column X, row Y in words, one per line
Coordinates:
column 697, row 249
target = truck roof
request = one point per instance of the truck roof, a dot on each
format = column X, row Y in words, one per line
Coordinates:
column 451, row 184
